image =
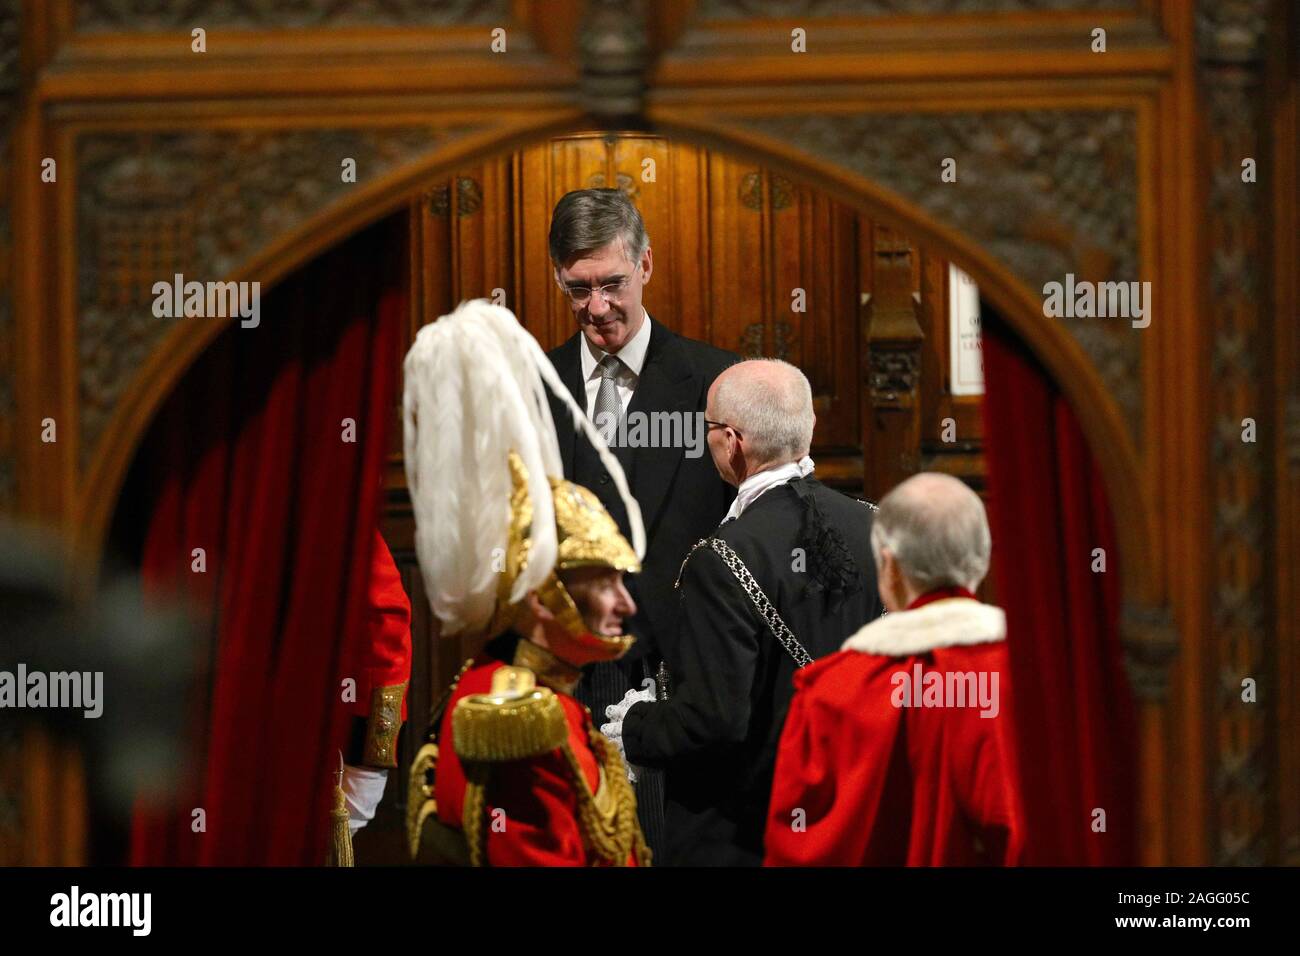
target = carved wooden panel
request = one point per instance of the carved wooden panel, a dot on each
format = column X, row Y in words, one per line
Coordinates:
column 665, row 179
column 784, row 283
column 745, row 9
column 462, row 247
column 472, row 232
column 892, row 361
column 200, row 203
column 1048, row 193
column 111, row 16
column 814, row 294
column 742, row 303
column 1230, row 37
column 938, row 404
column 893, row 379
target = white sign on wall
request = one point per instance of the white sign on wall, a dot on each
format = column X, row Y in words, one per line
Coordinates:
column 966, row 357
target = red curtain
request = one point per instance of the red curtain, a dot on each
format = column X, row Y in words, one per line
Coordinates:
column 251, row 460
column 1072, row 708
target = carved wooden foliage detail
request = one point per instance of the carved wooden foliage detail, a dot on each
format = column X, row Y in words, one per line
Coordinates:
column 1048, row 193
column 1150, row 640
column 622, row 181
column 750, row 343
column 469, row 198
column 151, row 205
column 1231, row 31
column 743, row 9
column 614, row 52
column 1230, row 40
column 894, row 374
column 120, row 16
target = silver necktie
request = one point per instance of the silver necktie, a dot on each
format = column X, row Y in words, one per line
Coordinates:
column 609, row 407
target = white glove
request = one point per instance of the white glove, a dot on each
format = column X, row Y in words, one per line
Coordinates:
column 616, row 712
column 363, row 788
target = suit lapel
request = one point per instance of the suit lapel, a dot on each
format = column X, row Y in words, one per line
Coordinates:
column 667, row 384
column 568, row 363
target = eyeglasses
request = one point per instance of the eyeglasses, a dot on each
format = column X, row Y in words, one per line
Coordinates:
column 713, row 424
column 610, row 291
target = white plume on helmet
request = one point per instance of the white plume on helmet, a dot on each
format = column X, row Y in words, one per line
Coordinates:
column 475, row 390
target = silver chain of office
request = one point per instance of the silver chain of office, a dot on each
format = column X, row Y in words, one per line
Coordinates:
column 756, row 596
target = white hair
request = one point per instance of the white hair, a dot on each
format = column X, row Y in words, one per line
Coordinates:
column 772, row 408
column 937, row 531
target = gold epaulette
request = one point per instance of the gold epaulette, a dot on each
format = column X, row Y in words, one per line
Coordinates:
column 515, row 721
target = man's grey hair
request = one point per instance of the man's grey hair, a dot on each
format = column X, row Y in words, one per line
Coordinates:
column 589, row 219
column 770, row 403
column 937, row 530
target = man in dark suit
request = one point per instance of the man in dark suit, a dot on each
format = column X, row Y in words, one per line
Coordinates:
column 630, row 372
column 786, row 578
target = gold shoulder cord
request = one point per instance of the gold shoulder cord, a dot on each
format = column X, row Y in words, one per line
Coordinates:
column 473, row 818
column 515, row 720
column 612, row 832
column 531, row 723
column 420, row 803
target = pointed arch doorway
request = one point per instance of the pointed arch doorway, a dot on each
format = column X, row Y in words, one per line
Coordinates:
column 456, row 245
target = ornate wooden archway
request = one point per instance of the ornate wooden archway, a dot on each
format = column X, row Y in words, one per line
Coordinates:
column 1068, row 161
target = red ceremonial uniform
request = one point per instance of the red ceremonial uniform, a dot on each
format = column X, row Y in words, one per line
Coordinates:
column 872, row 772
column 382, row 662
column 538, row 794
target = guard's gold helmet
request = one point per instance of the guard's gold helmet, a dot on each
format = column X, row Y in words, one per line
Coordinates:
column 588, row 538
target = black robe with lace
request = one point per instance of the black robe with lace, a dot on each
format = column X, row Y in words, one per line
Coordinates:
column 808, row 548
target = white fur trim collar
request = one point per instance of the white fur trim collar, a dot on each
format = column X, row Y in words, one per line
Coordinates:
column 947, row 623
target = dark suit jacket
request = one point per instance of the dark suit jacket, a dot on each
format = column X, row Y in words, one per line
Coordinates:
column 682, row 499
column 716, row 738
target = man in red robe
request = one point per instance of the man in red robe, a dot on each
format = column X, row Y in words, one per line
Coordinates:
column 898, row 750
column 382, row 659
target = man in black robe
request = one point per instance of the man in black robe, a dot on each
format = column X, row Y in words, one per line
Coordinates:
column 784, row 580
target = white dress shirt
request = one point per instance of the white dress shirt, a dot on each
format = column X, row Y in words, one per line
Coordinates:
column 755, row 485
column 632, row 355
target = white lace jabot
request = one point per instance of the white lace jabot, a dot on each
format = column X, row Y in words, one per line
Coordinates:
column 753, row 486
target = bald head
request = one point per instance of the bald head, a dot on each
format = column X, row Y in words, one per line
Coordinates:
column 769, row 403
column 935, row 531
